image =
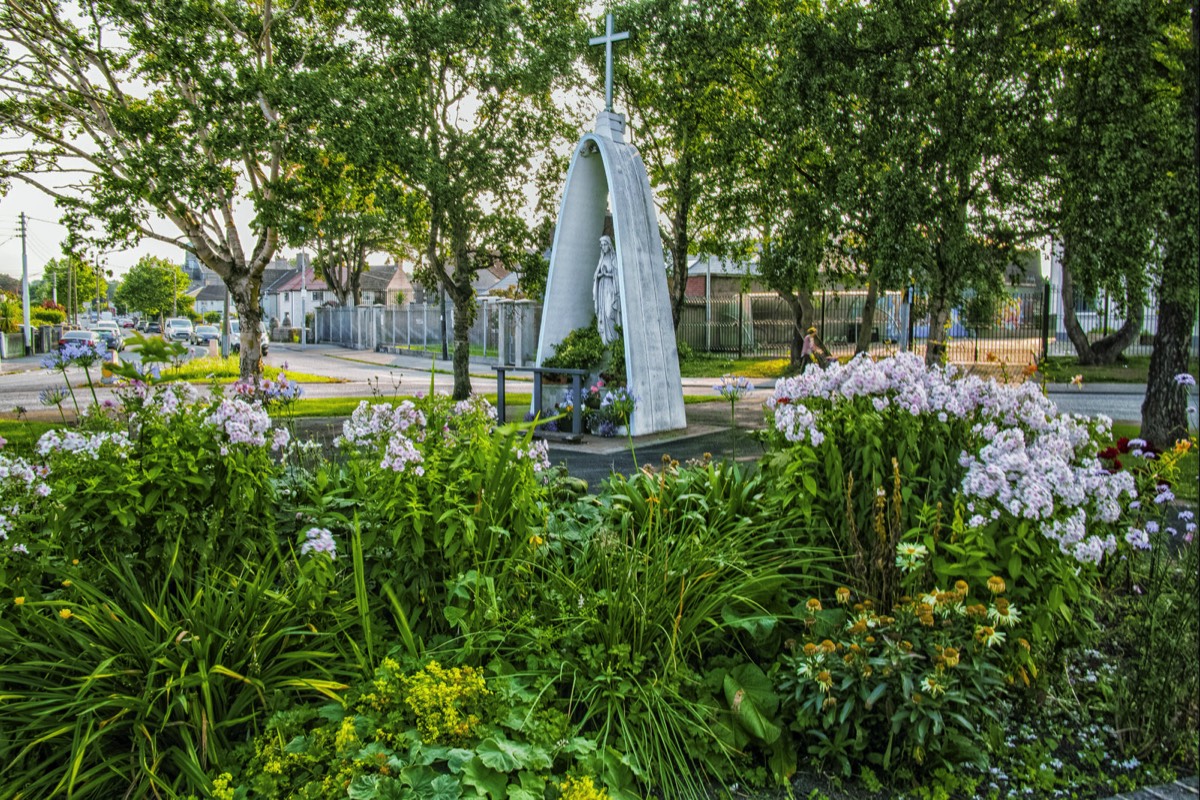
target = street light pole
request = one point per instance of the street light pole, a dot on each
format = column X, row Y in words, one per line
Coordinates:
column 303, row 299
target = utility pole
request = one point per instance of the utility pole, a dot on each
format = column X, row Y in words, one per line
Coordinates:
column 25, row 286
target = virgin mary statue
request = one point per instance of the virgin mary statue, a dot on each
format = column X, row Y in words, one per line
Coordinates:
column 605, row 293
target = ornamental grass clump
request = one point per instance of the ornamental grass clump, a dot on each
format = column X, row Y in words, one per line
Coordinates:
column 632, row 598
column 131, row 683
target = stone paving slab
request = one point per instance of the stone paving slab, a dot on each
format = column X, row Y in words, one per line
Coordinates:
column 1182, row 789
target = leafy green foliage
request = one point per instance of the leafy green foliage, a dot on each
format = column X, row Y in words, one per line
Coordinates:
column 582, row 348
column 119, row 680
column 915, row 687
column 153, row 286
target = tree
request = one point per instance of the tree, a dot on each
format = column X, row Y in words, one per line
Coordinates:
column 1113, row 125
column 777, row 183
column 153, row 286
column 945, row 204
column 459, row 98
column 1164, row 411
column 678, row 76
column 162, row 110
column 344, row 203
column 76, row 280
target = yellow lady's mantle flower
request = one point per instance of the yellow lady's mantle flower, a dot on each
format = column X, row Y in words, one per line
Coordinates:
column 20, row 601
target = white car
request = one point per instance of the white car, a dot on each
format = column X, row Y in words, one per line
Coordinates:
column 178, row 329
column 235, row 335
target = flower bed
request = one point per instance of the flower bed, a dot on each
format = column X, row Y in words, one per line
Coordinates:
column 923, row 570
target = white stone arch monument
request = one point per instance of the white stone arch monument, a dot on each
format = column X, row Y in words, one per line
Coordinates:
column 607, row 175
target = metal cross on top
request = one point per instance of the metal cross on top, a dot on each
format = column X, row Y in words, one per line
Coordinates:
column 607, row 40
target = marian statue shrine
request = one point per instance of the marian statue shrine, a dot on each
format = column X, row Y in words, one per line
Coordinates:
column 606, row 295
column 620, row 281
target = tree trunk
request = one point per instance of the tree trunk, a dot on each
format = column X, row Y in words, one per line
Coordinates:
column 936, row 348
column 1108, row 349
column 679, row 242
column 464, row 314
column 868, row 319
column 244, row 291
column 464, row 311
column 802, row 317
column 1164, row 411
column 1075, row 332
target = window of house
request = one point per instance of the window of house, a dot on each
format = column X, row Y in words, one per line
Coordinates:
column 286, row 296
column 318, row 297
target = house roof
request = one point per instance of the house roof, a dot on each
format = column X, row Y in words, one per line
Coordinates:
column 291, row 282
column 211, row 292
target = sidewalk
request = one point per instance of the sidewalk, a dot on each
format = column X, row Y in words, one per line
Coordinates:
column 21, row 364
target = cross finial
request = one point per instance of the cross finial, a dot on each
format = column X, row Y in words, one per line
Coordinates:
column 607, row 40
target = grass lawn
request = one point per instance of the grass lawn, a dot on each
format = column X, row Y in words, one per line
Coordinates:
column 706, row 366
column 1131, row 369
column 226, row 370
column 21, row 435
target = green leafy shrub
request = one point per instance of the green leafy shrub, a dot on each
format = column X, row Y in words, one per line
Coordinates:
column 912, row 687
column 389, row 739
column 582, row 348
column 990, row 479
column 440, row 502
column 46, row 316
column 184, row 466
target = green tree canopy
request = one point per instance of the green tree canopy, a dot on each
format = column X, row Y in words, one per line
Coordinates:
column 74, row 279
column 154, row 287
column 459, row 99
column 162, row 119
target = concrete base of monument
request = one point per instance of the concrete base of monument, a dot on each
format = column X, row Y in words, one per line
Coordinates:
column 710, row 434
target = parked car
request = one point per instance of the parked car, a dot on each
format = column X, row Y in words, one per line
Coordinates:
column 178, row 329
column 80, row 337
column 111, row 334
column 152, row 328
column 127, row 322
column 235, row 335
column 205, row 334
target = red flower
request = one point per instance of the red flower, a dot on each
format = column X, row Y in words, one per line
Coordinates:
column 783, row 401
column 1108, row 453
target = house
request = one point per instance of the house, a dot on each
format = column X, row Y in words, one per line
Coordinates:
column 386, row 285
column 710, row 276
column 289, row 294
column 210, row 297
